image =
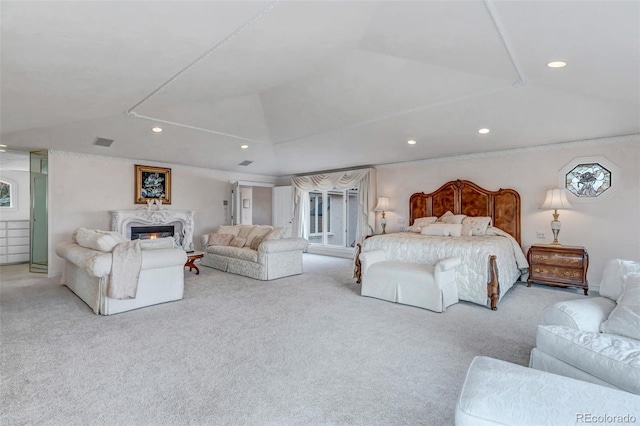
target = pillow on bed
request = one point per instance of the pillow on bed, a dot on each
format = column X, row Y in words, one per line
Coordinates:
column 449, row 217
column 421, row 222
column 443, row 229
column 475, row 225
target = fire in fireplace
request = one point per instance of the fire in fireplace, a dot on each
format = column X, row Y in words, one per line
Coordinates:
column 151, row 232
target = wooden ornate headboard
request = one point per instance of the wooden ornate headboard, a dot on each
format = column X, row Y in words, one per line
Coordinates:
column 465, row 197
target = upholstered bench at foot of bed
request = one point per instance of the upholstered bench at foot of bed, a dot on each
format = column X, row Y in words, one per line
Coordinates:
column 430, row 287
column 497, row 392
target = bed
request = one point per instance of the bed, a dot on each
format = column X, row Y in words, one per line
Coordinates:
column 491, row 263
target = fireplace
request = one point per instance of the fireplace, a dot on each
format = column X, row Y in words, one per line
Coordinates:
column 151, row 232
column 181, row 222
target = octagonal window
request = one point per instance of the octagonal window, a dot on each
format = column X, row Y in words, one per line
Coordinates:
column 588, row 180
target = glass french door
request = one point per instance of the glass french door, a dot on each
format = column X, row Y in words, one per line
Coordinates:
column 333, row 217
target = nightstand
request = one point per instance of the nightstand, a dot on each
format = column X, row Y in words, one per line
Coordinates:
column 556, row 265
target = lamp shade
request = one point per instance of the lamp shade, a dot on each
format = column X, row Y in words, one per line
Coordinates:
column 383, row 205
column 556, row 199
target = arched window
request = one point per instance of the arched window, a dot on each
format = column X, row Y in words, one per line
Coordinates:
column 6, row 194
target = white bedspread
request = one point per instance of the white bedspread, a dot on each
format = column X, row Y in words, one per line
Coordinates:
column 473, row 274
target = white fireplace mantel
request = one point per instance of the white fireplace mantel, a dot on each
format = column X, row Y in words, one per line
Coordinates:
column 182, row 220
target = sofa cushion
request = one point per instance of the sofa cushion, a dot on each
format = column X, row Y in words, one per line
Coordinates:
column 244, row 253
column 244, row 230
column 624, row 320
column 216, row 239
column 157, row 243
column 611, row 358
column 231, row 230
column 612, row 283
column 97, row 240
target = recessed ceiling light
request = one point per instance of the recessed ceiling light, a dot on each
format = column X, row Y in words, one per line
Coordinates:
column 484, row 131
column 2, row 145
column 244, row 146
column 2, row 150
column 411, row 142
column 557, row 64
column 156, row 129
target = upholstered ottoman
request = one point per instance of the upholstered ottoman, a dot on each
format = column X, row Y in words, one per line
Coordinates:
column 430, row 287
column 500, row 393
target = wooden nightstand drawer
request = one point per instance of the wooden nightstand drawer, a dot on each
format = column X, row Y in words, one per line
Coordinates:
column 548, row 258
column 564, row 266
column 556, row 273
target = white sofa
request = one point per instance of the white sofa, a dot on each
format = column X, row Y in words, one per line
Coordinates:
column 261, row 252
column 497, row 392
column 596, row 339
column 87, row 273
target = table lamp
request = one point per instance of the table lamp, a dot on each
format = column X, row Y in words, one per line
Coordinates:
column 556, row 199
column 383, row 206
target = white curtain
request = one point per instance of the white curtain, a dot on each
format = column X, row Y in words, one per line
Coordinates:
column 302, row 185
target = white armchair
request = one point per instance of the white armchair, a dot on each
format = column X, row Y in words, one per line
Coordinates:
column 596, row 339
column 89, row 263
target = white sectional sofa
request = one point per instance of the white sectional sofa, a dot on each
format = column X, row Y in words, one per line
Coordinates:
column 261, row 252
column 88, row 266
column 596, row 339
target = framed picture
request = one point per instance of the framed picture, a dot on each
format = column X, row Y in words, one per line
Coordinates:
column 152, row 183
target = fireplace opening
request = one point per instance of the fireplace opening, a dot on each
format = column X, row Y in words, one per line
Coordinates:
column 151, row 232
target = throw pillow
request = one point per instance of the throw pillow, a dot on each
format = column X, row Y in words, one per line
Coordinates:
column 420, row 223
column 476, row 225
column 449, row 217
column 624, row 320
column 255, row 243
column 275, row 234
column 257, row 231
column 245, row 230
column 216, row 239
column 612, row 283
column 238, row 242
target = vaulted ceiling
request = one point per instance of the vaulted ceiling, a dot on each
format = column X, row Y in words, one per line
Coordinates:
column 312, row 86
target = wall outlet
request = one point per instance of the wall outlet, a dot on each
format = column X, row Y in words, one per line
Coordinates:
column 540, row 234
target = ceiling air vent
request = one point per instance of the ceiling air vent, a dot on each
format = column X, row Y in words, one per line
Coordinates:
column 103, row 142
column 245, row 163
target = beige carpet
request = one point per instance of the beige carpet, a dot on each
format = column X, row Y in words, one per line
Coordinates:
column 295, row 351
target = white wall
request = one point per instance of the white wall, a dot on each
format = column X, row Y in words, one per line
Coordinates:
column 609, row 228
column 82, row 190
column 21, row 180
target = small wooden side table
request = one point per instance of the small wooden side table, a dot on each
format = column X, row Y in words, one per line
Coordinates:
column 557, row 265
column 191, row 258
